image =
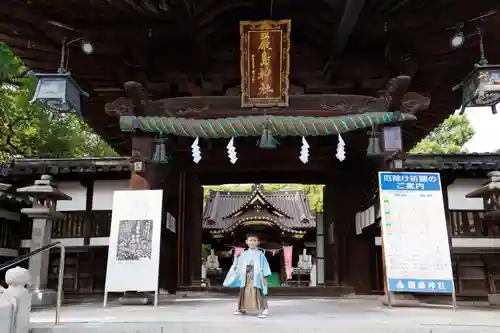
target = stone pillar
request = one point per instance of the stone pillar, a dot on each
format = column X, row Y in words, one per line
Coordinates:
column 45, row 195
column 40, row 236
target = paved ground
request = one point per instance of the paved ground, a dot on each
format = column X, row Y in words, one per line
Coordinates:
column 286, row 315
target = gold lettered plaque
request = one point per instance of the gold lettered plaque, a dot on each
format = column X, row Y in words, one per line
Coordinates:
column 265, row 63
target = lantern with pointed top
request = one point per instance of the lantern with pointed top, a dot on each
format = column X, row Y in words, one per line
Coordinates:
column 59, row 92
column 482, row 86
column 267, row 140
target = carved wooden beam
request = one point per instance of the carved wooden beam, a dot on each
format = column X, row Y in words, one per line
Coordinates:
column 396, row 99
column 138, row 95
column 395, row 91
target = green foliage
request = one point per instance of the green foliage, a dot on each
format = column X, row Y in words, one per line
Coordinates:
column 314, row 192
column 28, row 130
column 449, row 137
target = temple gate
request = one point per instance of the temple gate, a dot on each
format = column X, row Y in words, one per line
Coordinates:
column 305, row 106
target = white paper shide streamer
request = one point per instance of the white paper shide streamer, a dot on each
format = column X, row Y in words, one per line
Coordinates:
column 304, row 151
column 195, row 150
column 340, row 149
column 231, row 151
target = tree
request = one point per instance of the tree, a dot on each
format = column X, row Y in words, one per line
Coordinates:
column 449, row 137
column 29, row 130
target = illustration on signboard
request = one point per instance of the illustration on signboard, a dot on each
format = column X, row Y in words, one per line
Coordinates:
column 135, row 240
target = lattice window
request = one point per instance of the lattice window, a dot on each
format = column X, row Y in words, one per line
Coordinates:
column 101, row 223
column 467, row 223
column 71, row 226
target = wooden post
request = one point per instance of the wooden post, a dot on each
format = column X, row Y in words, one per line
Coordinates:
column 141, row 142
column 87, row 223
column 180, row 227
column 140, row 176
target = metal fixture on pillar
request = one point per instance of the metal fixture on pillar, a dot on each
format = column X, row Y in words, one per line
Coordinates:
column 396, row 161
column 45, row 195
column 59, row 91
column 482, row 86
column 138, row 164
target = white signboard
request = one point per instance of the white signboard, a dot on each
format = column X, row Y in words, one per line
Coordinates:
column 414, row 233
column 134, row 241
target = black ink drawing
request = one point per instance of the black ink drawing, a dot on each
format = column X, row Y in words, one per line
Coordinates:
column 135, row 240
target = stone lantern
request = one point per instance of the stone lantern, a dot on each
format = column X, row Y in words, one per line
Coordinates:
column 45, row 194
column 490, row 193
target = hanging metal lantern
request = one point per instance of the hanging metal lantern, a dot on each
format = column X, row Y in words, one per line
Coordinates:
column 373, row 144
column 267, row 140
column 160, row 151
column 481, row 87
column 59, row 92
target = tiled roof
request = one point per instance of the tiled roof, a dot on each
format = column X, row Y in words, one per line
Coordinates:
column 462, row 161
column 19, row 166
column 22, row 166
column 288, row 209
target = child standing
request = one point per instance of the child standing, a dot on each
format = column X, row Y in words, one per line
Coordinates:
column 249, row 272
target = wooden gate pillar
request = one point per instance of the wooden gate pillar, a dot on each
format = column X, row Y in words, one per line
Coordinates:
column 146, row 175
column 168, row 251
column 190, row 194
column 193, row 235
column 347, row 258
column 329, row 231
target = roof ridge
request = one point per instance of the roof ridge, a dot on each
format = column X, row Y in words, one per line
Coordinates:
column 255, row 192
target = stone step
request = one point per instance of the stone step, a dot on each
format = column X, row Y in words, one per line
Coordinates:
column 279, row 291
column 265, row 325
column 299, row 315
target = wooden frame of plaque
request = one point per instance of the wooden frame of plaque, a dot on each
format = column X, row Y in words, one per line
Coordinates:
column 265, row 63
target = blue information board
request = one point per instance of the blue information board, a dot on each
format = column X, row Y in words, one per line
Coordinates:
column 405, row 181
column 414, row 233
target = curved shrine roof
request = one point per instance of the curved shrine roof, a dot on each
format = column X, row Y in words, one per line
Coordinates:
column 289, row 209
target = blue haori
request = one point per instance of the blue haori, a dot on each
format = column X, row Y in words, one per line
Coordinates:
column 421, row 285
column 236, row 277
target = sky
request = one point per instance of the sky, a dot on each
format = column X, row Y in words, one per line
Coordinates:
column 487, row 128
